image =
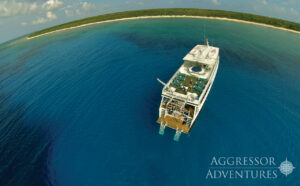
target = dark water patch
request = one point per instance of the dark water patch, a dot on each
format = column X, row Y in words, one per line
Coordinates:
column 11, row 43
column 3, row 57
column 68, row 38
column 28, row 54
column 4, row 69
column 140, row 33
column 145, row 41
column 23, row 58
column 17, row 65
column 248, row 58
column 24, row 149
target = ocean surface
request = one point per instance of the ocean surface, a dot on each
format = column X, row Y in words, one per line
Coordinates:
column 79, row 107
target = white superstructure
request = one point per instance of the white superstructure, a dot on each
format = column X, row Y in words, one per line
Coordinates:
column 185, row 93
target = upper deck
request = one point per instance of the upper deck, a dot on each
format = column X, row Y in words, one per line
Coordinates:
column 204, row 54
column 191, row 78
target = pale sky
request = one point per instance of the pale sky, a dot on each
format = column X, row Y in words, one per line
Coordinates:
column 20, row 17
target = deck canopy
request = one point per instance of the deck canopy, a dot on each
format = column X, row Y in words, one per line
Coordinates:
column 203, row 54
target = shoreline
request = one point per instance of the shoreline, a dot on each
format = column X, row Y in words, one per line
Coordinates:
column 168, row 16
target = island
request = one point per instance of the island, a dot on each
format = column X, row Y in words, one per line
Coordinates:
column 175, row 12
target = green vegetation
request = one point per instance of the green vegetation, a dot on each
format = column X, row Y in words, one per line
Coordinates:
column 175, row 11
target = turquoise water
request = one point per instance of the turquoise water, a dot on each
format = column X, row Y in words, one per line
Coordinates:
column 80, row 107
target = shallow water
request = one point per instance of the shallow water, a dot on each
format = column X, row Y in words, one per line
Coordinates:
column 80, row 107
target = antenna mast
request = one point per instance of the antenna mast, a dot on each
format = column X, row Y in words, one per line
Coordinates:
column 204, row 30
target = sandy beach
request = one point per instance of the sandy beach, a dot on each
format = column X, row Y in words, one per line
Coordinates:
column 170, row 16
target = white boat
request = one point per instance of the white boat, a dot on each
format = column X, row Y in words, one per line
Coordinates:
column 185, row 93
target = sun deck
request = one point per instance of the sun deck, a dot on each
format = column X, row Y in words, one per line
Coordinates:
column 204, row 54
column 188, row 83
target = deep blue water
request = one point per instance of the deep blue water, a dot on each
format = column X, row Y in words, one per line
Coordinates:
column 80, row 107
